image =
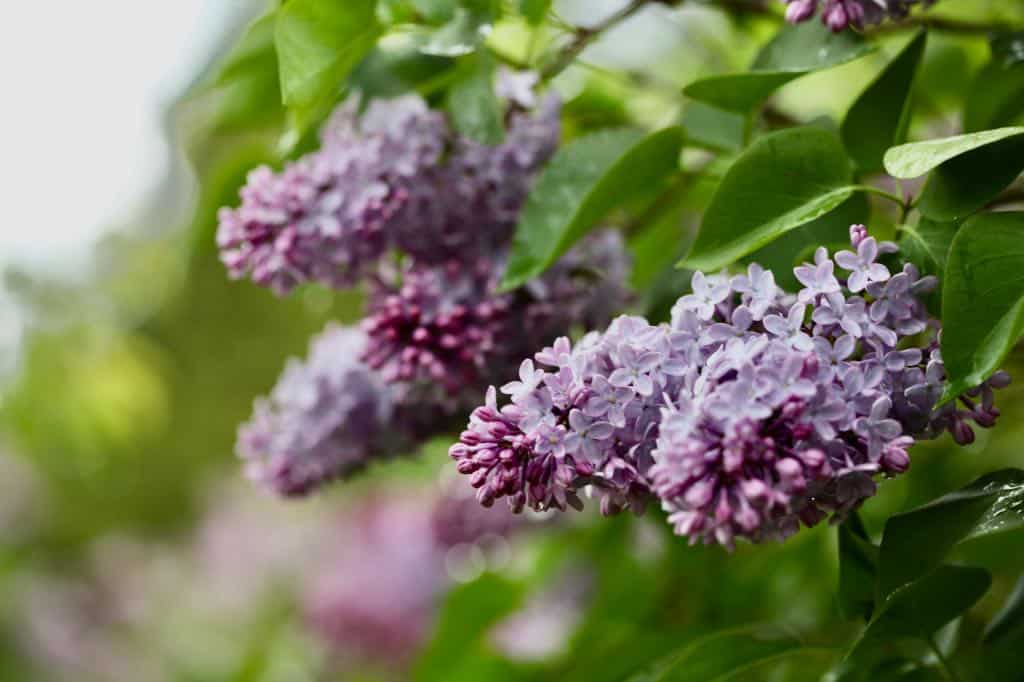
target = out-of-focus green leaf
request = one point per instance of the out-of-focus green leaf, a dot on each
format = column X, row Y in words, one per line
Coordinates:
column 982, row 298
column 880, row 116
column 534, row 10
column 858, row 570
column 319, row 42
column 922, row 607
column 997, row 96
column 794, row 52
column 782, row 181
column 1010, row 618
column 723, row 655
column 474, row 108
column 917, row 158
column 253, row 50
column 581, row 184
column 462, row 34
column 468, row 613
column 394, row 71
column 435, row 11
column 708, row 126
column 917, row 541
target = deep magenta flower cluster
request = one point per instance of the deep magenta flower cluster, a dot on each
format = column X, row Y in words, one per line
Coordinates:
column 838, row 15
column 396, row 181
column 752, row 412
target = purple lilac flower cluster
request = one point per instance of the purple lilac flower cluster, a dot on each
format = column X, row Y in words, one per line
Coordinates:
column 395, row 176
column 436, row 328
column 753, row 411
column 840, row 14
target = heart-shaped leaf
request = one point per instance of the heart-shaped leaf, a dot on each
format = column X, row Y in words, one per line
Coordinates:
column 880, row 116
column 917, row 158
column 580, row 185
column 918, row 541
column 474, row 107
column 782, row 181
column 982, row 298
column 318, row 43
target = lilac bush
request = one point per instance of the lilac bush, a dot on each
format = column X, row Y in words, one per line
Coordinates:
column 751, row 412
column 397, row 179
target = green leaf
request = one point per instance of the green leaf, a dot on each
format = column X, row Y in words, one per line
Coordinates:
column 795, row 51
column 534, row 10
column 880, row 116
column 718, row 129
column 966, row 183
column 460, row 36
column 782, row 181
column 474, row 108
column 858, row 569
column 922, row 607
column 581, row 184
column 725, row 654
column 245, row 92
column 918, row 541
column 917, row 158
column 467, row 616
column 319, row 42
column 797, row 246
column 254, row 50
column 982, row 298
column 1010, row 618
column 997, row 96
column 926, row 244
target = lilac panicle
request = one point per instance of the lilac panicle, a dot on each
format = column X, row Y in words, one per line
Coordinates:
column 395, row 176
column 840, row 14
column 325, row 418
column 325, row 217
column 754, row 411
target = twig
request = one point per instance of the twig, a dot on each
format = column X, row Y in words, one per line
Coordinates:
column 585, row 36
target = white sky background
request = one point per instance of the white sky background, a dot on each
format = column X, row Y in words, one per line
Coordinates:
column 85, row 86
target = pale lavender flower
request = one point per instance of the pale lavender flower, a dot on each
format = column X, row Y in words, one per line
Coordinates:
column 862, row 266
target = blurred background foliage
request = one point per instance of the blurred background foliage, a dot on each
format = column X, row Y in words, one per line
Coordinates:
column 120, row 411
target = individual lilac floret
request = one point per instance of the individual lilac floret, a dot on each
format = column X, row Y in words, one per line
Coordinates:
column 840, row 14
column 327, row 416
column 324, row 217
column 752, row 412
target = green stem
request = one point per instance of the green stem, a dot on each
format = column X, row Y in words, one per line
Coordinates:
column 944, row 663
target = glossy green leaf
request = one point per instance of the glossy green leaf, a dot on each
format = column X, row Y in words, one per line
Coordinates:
column 982, row 298
column 1010, row 618
column 723, row 655
column 794, row 52
column 918, row 541
column 718, row 129
column 922, row 607
column 858, row 570
column 319, row 42
column 782, row 181
column 917, row 158
column 966, row 183
column 880, row 116
column 797, row 246
column 474, row 107
column 926, row 244
column 581, row 184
